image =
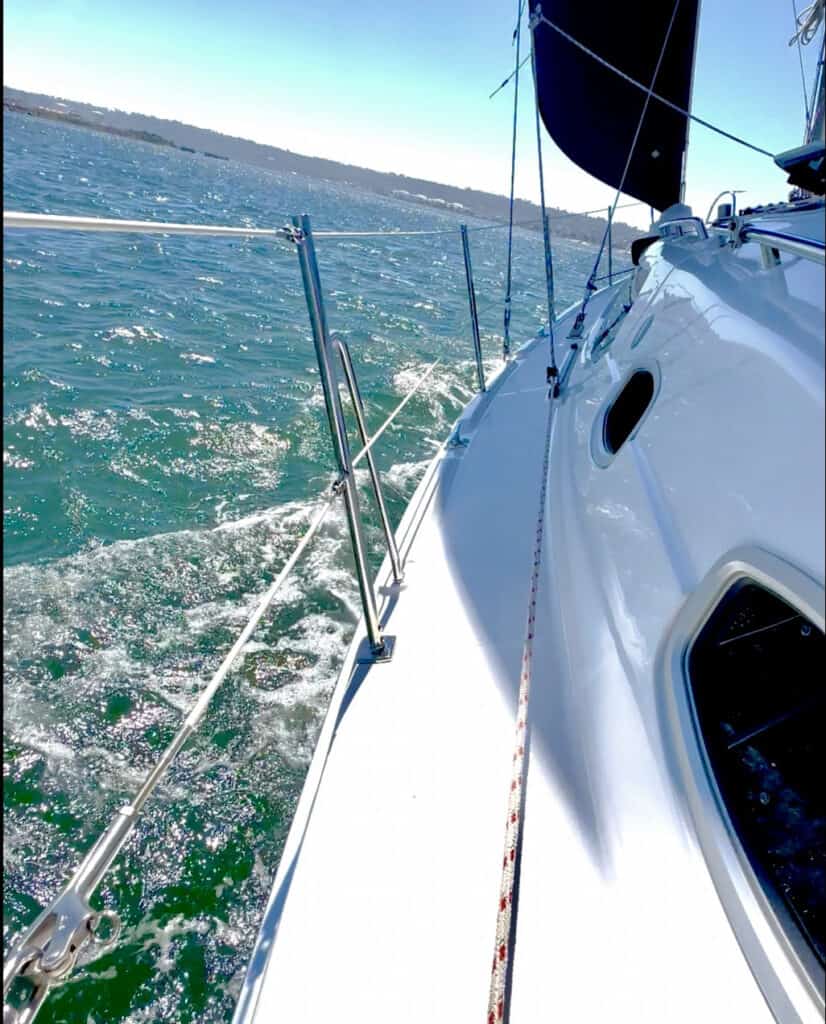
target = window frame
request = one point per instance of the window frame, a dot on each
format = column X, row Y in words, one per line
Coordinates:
column 601, row 455
column 784, row 966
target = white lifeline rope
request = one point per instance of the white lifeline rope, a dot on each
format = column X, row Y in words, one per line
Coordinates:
column 503, row 953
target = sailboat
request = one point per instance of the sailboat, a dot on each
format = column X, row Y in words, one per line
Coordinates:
column 601, row 730
column 572, row 767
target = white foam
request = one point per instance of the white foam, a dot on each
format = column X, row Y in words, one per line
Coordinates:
column 16, row 461
column 37, row 416
column 107, row 591
column 195, row 357
column 404, row 476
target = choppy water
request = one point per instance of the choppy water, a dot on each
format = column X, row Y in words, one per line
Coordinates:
column 164, row 438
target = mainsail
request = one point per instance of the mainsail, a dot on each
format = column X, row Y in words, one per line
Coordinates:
column 592, row 112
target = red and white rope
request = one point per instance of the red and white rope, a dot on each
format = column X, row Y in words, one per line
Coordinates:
column 497, row 1009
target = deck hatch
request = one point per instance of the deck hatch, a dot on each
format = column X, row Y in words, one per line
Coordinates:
column 756, row 680
column 628, row 408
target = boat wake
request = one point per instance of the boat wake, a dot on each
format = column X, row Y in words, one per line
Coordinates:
column 104, row 651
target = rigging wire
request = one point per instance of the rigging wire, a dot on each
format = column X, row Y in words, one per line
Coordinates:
column 807, row 24
column 599, row 209
column 13, row 219
column 496, row 226
column 661, row 99
column 796, row 39
column 546, row 231
column 515, row 71
column 392, row 233
column 517, row 35
column 576, row 330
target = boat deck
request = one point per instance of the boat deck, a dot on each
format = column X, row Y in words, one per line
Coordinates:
column 424, row 747
column 384, row 905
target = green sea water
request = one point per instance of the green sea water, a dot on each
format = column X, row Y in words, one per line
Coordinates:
column 164, row 444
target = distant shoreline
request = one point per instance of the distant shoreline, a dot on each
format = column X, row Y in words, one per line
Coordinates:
column 203, row 142
column 69, row 117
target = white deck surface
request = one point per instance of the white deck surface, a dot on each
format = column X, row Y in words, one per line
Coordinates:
column 400, row 918
column 384, row 906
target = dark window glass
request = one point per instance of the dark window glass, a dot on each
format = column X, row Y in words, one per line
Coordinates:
column 627, row 410
column 756, row 674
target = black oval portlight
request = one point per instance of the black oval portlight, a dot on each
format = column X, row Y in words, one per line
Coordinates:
column 627, row 409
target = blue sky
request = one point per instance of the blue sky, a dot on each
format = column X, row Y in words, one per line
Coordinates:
column 397, row 88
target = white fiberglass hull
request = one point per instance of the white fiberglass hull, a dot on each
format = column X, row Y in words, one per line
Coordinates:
column 630, row 906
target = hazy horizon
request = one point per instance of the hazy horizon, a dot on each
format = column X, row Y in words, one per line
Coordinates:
column 396, row 92
column 141, row 113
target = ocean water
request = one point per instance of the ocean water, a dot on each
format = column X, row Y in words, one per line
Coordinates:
column 164, row 445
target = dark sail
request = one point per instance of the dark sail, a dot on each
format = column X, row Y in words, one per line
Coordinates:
column 592, row 113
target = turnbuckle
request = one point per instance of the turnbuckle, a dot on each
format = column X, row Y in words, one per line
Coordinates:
column 49, row 951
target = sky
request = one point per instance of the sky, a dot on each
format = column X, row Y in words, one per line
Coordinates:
column 401, row 88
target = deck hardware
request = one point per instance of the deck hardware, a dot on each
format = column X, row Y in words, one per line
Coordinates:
column 53, row 944
column 677, row 228
column 808, row 248
column 576, row 330
column 456, row 440
column 338, row 430
column 565, row 372
column 769, row 256
column 725, row 210
column 358, row 409
column 738, row 232
column 293, row 233
column 371, row 657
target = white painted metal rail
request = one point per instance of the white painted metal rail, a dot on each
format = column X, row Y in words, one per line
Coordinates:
column 58, row 222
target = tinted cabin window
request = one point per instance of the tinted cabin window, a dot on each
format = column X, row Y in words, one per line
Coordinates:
column 627, row 410
column 756, row 674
